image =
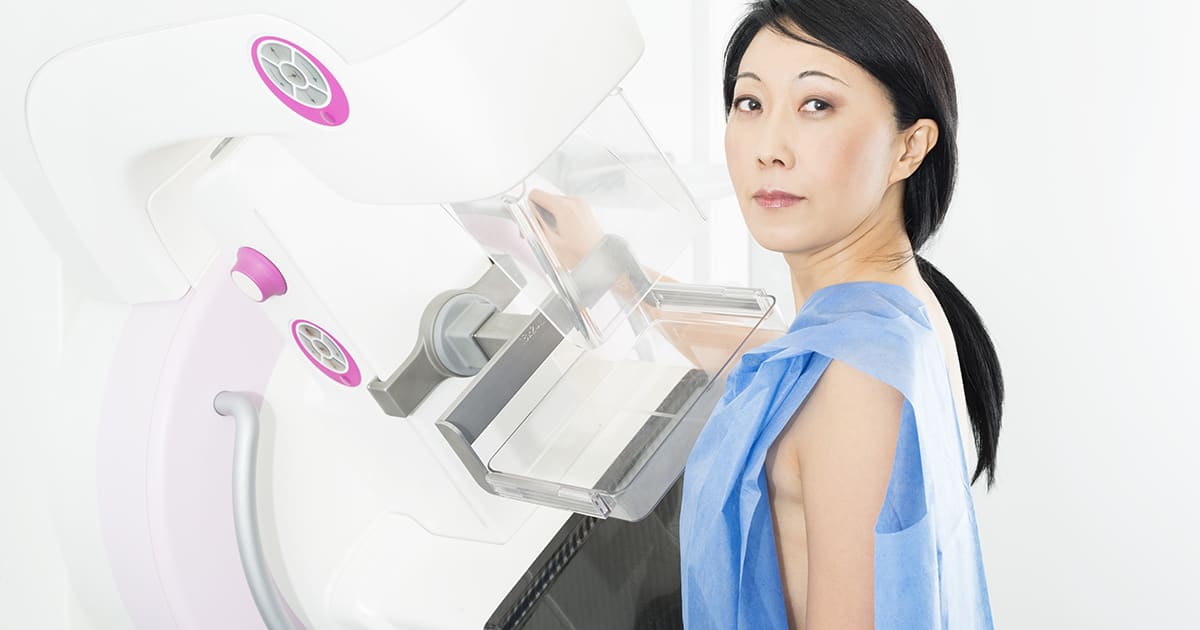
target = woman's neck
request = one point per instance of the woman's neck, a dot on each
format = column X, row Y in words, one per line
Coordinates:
column 878, row 251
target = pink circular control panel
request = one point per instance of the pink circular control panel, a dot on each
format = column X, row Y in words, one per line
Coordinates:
column 325, row 352
column 300, row 81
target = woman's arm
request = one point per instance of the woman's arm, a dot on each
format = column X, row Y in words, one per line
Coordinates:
column 573, row 231
column 841, row 445
column 707, row 340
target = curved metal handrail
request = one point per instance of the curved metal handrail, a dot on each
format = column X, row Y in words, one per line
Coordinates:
column 245, row 515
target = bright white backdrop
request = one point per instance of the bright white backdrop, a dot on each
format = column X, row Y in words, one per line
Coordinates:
column 1073, row 231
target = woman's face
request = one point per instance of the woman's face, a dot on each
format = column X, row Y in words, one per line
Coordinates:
column 810, row 123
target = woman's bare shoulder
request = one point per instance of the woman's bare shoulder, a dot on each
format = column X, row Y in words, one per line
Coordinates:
column 845, row 402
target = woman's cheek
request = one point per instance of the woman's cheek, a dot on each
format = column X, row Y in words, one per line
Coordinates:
column 853, row 174
column 737, row 159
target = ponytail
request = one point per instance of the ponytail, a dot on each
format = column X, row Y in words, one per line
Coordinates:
column 982, row 381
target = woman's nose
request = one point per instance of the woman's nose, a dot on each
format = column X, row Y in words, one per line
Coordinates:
column 774, row 158
column 773, row 148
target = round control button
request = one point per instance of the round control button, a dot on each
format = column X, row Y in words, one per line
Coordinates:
column 256, row 276
column 293, row 75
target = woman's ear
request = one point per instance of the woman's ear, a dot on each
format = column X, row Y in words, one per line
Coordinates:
column 918, row 140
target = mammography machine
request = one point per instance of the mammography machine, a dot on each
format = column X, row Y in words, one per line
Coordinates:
column 324, row 363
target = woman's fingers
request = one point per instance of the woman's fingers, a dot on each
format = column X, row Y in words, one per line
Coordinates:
column 567, row 223
column 553, row 211
column 543, row 205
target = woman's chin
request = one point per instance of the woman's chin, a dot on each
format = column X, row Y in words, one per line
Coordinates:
column 779, row 243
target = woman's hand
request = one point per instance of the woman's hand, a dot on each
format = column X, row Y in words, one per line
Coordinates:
column 568, row 223
column 572, row 231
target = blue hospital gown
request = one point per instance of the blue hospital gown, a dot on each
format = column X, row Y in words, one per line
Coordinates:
column 928, row 564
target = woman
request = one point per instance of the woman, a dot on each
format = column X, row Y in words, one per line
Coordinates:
column 840, row 144
column 829, row 489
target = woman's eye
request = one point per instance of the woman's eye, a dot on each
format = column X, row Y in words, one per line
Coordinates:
column 822, row 105
column 746, row 104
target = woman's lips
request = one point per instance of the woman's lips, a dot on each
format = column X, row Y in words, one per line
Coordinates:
column 776, row 198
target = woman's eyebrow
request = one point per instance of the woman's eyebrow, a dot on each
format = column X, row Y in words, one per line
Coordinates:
column 806, row 73
column 818, row 73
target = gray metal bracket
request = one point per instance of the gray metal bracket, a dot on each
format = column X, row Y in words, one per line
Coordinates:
column 459, row 332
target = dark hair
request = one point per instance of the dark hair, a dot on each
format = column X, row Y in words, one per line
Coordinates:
column 892, row 41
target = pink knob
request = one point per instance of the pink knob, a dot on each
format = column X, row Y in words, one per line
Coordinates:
column 257, row 276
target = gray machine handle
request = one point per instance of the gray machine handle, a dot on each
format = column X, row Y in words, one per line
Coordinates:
column 245, row 516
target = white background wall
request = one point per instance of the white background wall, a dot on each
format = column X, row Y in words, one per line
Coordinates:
column 32, row 582
column 1073, row 231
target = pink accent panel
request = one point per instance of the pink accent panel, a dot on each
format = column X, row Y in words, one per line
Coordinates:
column 334, row 113
column 351, row 378
column 222, row 342
column 125, row 420
column 261, row 271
